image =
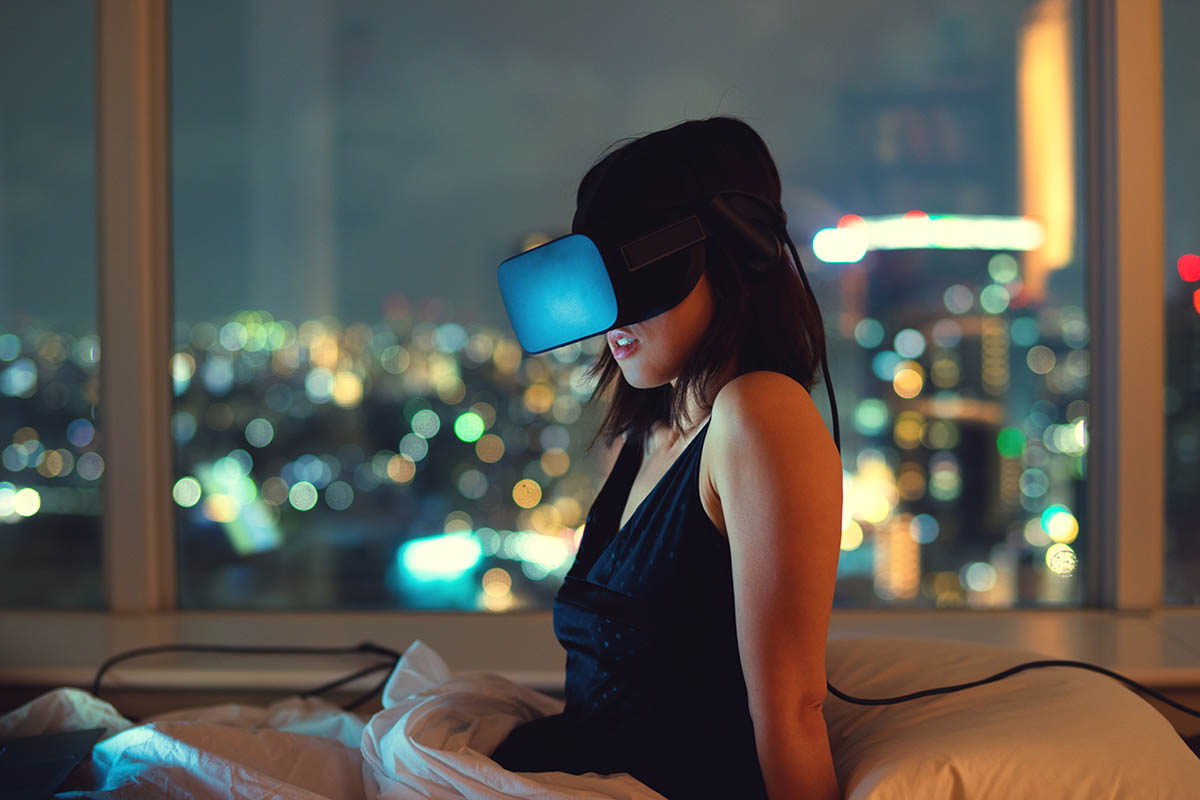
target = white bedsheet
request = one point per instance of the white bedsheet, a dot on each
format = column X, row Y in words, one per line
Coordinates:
column 431, row 740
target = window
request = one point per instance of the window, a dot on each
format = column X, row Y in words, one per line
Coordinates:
column 356, row 426
column 1181, row 62
column 51, row 455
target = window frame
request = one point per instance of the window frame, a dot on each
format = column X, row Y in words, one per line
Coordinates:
column 1123, row 174
column 1125, row 219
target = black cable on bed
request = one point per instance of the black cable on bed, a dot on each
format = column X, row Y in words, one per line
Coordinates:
column 352, row 676
column 389, row 666
column 362, row 647
column 1013, row 671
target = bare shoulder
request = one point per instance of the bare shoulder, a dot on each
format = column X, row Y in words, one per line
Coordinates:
column 764, row 398
column 764, row 411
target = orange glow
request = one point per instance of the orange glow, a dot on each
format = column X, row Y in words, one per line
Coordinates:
column 848, row 220
column 401, row 469
column 1046, row 152
column 897, row 559
column 527, row 493
column 555, row 462
column 490, row 448
column 538, row 398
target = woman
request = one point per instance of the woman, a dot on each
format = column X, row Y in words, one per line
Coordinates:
column 695, row 613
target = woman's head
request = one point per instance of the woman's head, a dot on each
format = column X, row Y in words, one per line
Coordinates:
column 727, row 321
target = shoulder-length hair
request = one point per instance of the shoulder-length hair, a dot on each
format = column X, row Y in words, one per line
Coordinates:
column 764, row 321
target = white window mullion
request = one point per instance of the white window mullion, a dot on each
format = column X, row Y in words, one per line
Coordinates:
column 1125, row 281
column 133, row 218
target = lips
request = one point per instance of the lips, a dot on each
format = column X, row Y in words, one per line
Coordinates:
column 617, row 333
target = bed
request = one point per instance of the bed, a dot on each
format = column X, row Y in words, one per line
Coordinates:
column 1059, row 732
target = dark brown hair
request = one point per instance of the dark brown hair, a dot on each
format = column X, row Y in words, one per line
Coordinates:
column 762, row 321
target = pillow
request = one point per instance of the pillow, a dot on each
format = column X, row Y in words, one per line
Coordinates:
column 1058, row 733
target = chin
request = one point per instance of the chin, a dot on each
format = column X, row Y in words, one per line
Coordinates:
column 642, row 382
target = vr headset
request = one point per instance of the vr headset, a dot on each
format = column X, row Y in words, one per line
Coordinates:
column 581, row 285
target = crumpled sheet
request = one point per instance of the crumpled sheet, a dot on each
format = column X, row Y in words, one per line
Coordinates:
column 431, row 740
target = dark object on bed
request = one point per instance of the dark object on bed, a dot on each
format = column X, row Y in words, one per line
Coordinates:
column 33, row 767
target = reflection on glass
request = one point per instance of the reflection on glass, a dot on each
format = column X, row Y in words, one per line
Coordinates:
column 356, row 425
column 51, row 461
column 1181, row 61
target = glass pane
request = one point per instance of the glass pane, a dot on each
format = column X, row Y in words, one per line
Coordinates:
column 1181, row 64
column 50, row 462
column 356, row 424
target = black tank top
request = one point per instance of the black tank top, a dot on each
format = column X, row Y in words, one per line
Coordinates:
column 654, row 684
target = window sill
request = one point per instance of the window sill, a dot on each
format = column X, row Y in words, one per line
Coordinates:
column 1159, row 648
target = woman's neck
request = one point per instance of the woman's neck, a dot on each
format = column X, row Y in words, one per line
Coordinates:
column 669, row 435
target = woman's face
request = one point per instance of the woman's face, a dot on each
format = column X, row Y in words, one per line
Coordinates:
column 664, row 342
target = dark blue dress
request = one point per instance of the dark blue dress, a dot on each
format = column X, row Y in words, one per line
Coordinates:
column 654, row 684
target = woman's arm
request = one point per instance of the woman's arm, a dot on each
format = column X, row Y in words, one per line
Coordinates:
column 778, row 476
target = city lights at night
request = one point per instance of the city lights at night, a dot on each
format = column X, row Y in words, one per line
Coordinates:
column 353, row 423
